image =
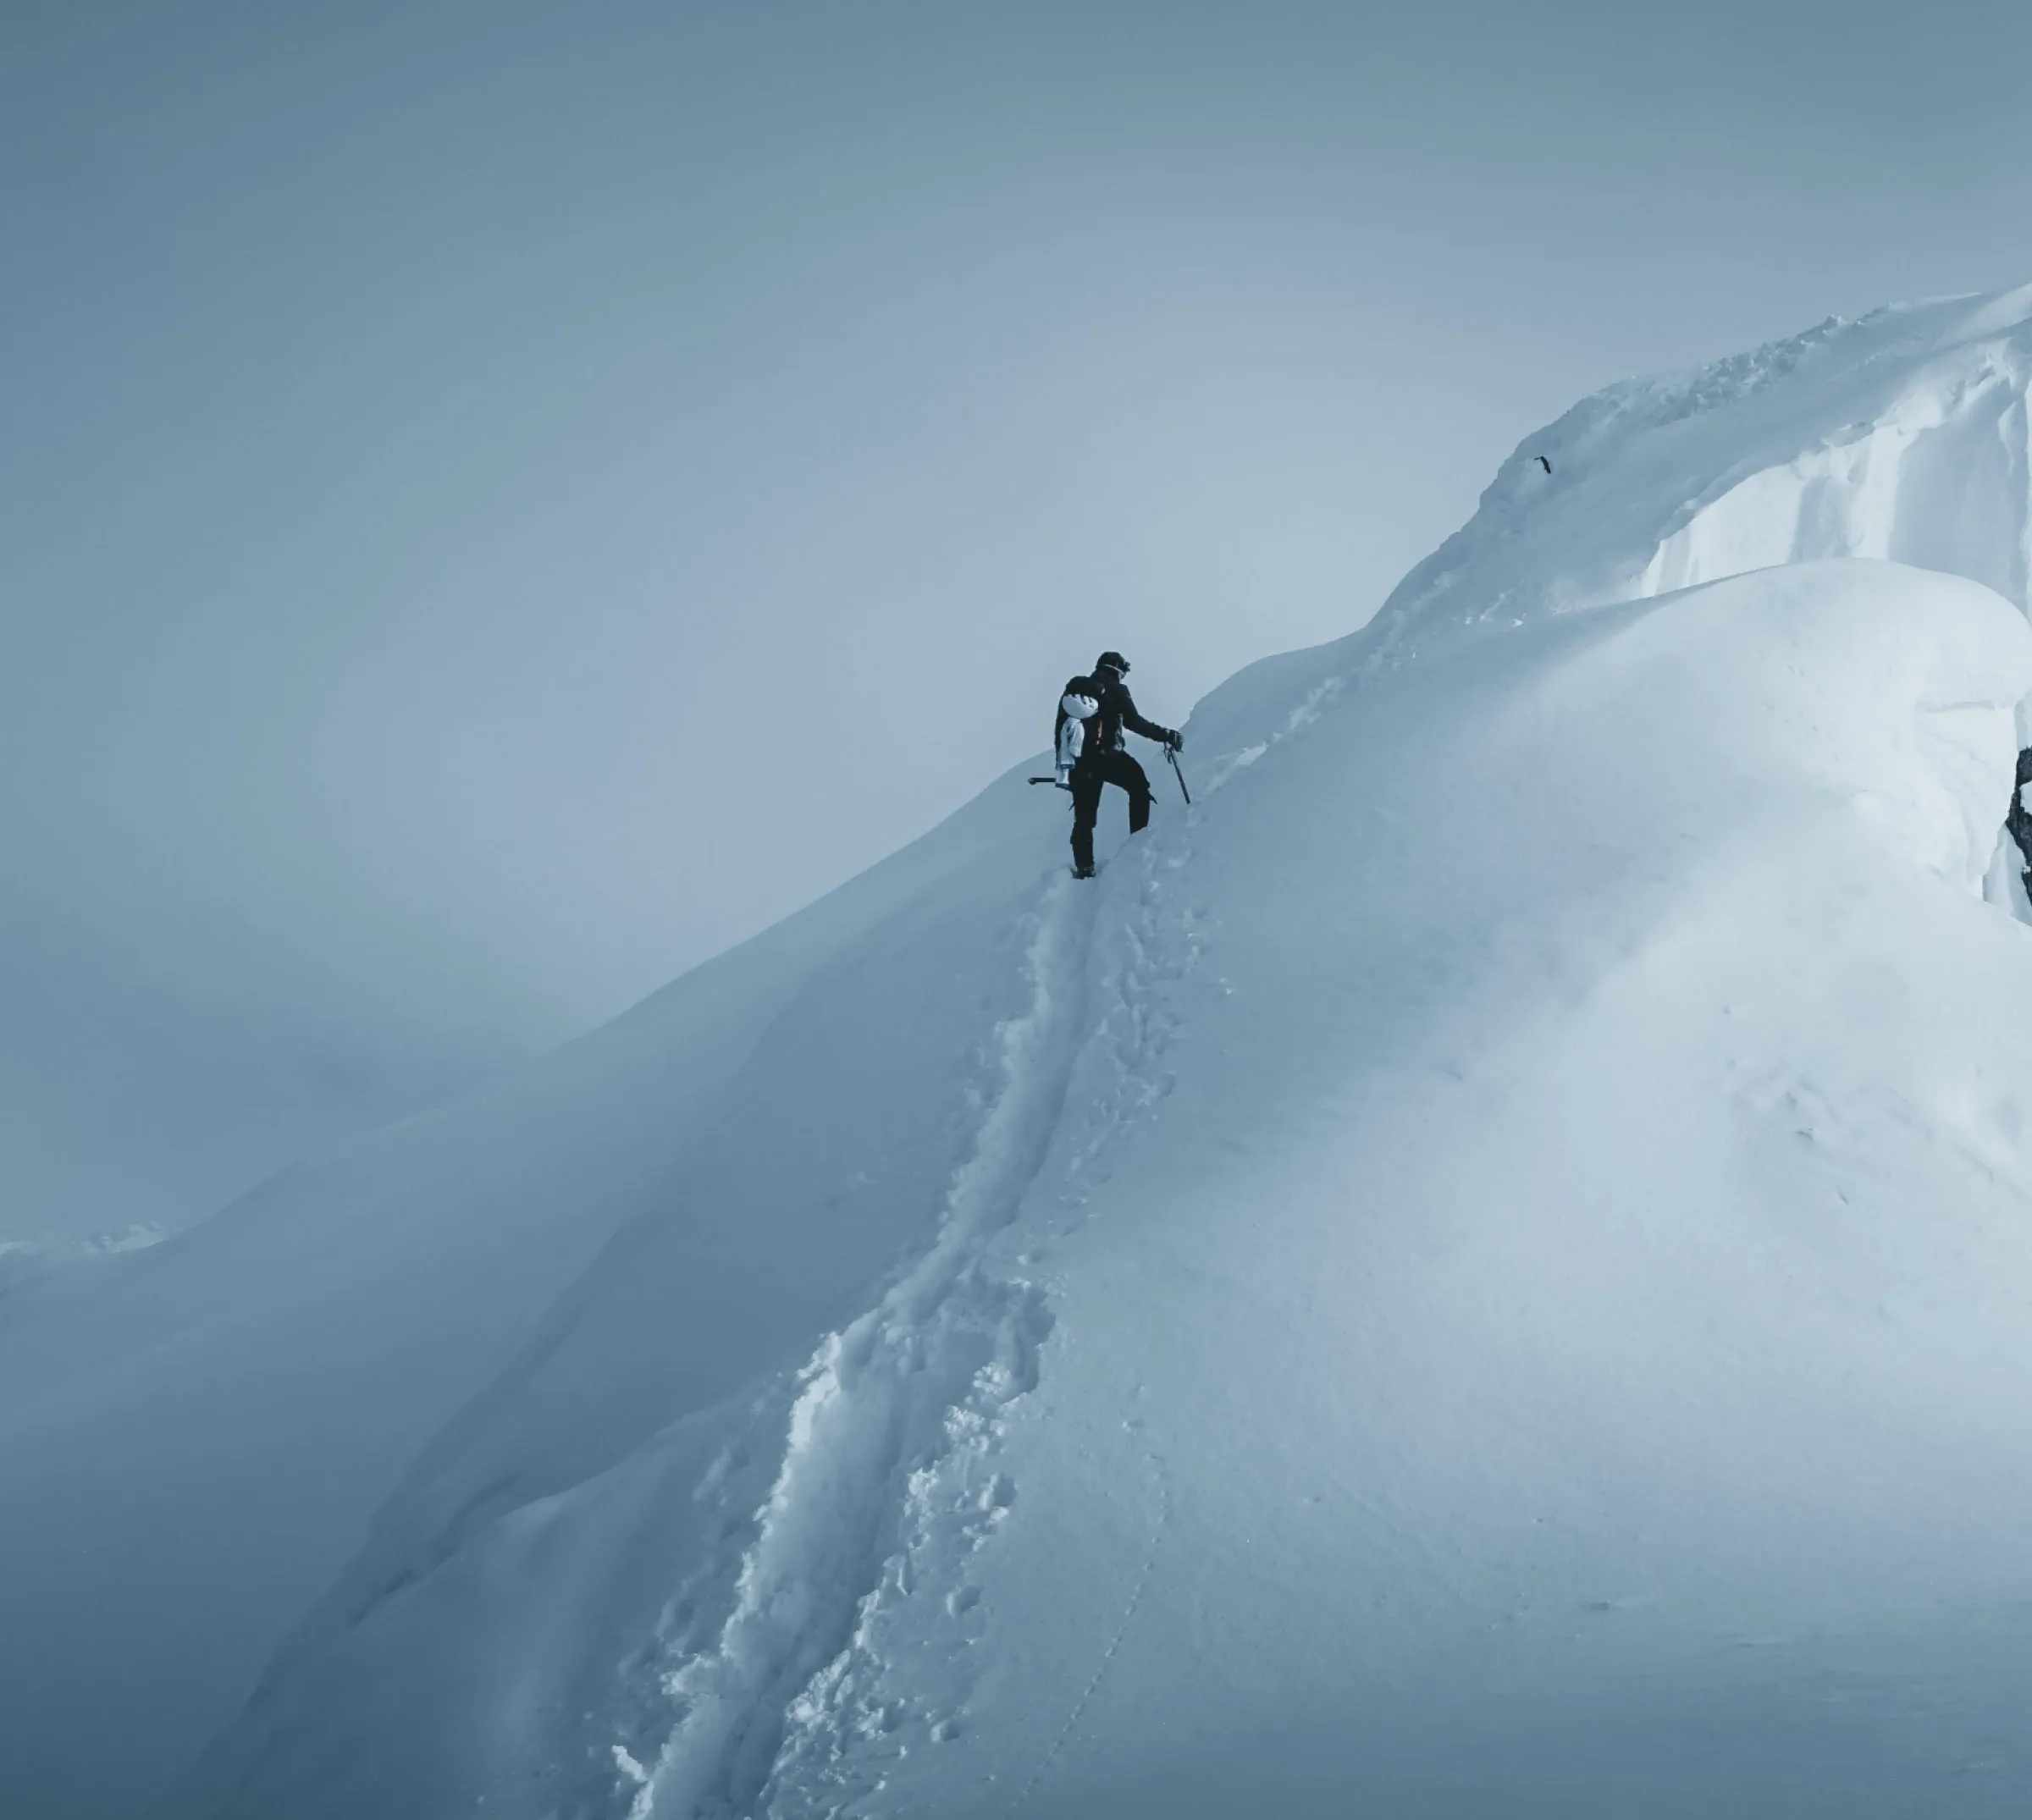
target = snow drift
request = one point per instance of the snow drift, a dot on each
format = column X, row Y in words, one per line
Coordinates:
column 1481, row 1270
column 1901, row 436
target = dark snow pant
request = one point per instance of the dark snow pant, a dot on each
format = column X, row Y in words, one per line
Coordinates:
column 1089, row 776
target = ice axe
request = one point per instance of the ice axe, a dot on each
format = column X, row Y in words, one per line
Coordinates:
column 1171, row 753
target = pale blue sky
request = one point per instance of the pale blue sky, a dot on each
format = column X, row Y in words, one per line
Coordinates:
column 502, row 500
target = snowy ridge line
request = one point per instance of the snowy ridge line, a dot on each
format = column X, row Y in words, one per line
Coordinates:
column 906, row 1680
column 1316, row 701
column 1604, row 1029
column 1160, row 947
column 851, row 1725
column 24, row 1260
column 909, row 1380
column 1899, row 435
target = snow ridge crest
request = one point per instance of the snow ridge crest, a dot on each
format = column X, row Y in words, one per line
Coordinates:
column 1900, row 436
column 890, row 1441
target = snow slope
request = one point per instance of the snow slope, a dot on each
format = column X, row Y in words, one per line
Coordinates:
column 1902, row 436
column 196, row 1437
column 1482, row 1270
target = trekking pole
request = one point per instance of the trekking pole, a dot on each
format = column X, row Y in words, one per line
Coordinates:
column 1171, row 752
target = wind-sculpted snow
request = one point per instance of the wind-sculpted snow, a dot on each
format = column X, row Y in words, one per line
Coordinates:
column 276, row 1377
column 1480, row 1270
column 1535, row 1237
column 816, row 1508
column 886, row 1399
column 1902, row 436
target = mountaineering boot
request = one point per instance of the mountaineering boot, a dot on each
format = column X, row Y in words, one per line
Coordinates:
column 1084, row 872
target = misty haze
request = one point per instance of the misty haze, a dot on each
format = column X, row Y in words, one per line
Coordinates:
column 1073, row 911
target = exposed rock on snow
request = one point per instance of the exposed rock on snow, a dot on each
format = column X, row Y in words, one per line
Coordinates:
column 2018, row 821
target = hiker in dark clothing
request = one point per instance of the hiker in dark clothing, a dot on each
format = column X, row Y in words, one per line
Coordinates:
column 1093, row 715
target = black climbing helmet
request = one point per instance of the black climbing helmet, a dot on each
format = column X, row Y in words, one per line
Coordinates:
column 1113, row 661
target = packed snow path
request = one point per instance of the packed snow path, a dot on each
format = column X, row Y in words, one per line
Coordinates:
column 1482, row 1270
column 901, row 1401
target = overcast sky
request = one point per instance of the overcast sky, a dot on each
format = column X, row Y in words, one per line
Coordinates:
column 502, row 501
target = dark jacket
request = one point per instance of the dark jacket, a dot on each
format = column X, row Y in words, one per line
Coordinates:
column 1116, row 710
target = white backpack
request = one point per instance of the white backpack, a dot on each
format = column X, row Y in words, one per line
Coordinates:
column 1074, row 712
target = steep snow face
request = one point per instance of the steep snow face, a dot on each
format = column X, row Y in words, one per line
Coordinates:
column 194, row 1439
column 1482, row 1260
column 1487, row 1259
column 1902, row 436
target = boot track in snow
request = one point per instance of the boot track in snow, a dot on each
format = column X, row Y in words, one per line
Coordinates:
column 917, row 1378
